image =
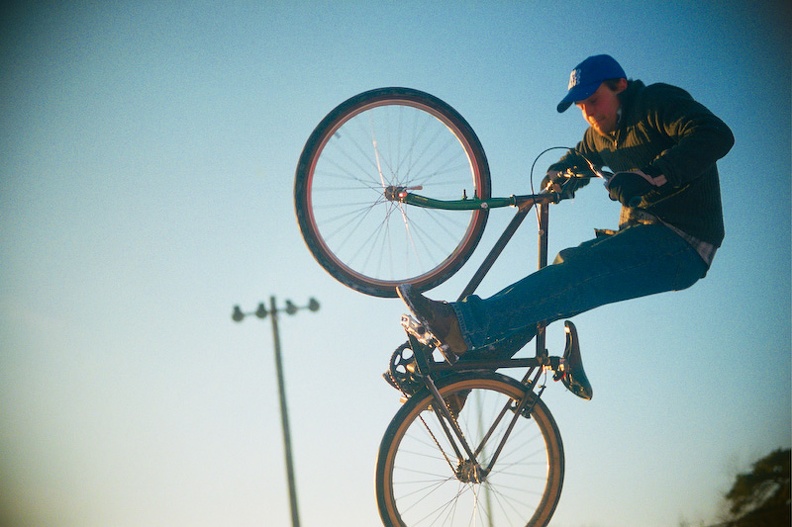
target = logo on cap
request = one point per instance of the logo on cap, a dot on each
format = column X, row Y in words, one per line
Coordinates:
column 574, row 78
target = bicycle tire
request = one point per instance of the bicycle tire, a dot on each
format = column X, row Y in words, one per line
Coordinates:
column 416, row 485
column 380, row 139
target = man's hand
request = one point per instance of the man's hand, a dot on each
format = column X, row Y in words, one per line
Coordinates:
column 549, row 182
column 560, row 183
column 629, row 187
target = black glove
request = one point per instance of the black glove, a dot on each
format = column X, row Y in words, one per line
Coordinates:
column 629, row 187
column 557, row 181
column 551, row 177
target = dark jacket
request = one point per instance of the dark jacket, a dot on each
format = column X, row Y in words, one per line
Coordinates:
column 663, row 130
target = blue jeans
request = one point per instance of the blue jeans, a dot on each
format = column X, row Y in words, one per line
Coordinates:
column 634, row 262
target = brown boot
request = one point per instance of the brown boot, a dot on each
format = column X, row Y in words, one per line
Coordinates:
column 439, row 318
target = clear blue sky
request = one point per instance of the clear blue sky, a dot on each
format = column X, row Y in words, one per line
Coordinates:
column 147, row 153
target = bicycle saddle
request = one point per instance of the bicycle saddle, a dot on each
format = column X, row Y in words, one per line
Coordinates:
column 573, row 375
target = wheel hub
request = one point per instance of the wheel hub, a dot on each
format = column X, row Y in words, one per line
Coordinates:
column 392, row 192
column 471, row 472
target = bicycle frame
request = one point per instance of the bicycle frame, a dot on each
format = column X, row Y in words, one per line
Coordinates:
column 537, row 364
column 524, row 204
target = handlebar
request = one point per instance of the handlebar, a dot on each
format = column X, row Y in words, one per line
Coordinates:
column 550, row 194
column 475, row 203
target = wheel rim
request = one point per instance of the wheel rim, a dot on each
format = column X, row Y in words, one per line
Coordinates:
column 361, row 234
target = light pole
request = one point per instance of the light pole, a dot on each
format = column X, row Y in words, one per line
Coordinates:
column 262, row 312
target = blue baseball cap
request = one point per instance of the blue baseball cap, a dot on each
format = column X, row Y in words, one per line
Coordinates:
column 587, row 76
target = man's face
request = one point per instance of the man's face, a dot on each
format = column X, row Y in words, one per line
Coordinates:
column 601, row 109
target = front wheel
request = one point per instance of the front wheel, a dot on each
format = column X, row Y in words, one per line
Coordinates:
column 424, row 476
column 349, row 176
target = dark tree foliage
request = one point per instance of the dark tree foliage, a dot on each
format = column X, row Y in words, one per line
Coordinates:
column 761, row 498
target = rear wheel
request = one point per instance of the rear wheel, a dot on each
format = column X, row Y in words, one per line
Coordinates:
column 365, row 149
column 422, row 480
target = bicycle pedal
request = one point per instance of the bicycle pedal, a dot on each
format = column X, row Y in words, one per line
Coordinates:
column 417, row 330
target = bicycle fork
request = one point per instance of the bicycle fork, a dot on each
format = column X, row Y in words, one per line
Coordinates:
column 466, row 466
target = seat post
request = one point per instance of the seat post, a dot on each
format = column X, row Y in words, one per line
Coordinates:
column 543, row 213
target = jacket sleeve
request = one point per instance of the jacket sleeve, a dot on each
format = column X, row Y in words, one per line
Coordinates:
column 698, row 138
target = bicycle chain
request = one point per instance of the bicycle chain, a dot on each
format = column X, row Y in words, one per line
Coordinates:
column 394, row 381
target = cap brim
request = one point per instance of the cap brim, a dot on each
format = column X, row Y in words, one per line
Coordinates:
column 563, row 105
column 577, row 93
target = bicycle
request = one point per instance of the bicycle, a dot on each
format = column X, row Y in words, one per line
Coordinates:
column 470, row 445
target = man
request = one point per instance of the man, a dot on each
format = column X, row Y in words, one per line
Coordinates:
column 662, row 146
